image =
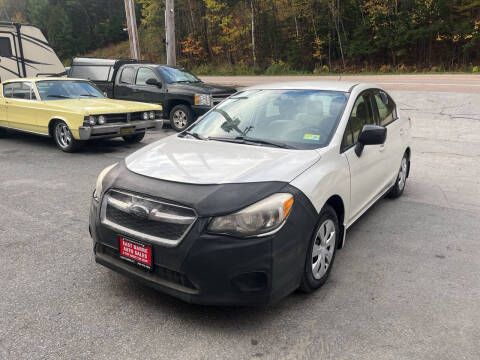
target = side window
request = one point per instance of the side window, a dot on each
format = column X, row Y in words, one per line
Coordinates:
column 386, row 108
column 8, row 89
column 5, row 47
column 143, row 75
column 19, row 90
column 361, row 115
column 128, row 76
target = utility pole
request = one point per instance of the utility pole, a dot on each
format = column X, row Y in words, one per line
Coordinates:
column 170, row 32
column 132, row 29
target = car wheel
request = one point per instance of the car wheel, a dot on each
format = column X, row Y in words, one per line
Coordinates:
column 64, row 139
column 181, row 117
column 133, row 139
column 3, row 132
column 399, row 187
column 321, row 251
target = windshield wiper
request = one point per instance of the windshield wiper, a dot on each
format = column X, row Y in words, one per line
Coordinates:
column 59, row 96
column 263, row 142
column 194, row 134
column 89, row 95
column 247, row 140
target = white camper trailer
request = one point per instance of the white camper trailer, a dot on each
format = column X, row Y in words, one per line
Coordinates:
column 25, row 52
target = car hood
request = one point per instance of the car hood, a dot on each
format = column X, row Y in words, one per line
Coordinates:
column 101, row 106
column 202, row 88
column 213, row 162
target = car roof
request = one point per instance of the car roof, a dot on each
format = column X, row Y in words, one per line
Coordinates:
column 343, row 86
column 42, row 78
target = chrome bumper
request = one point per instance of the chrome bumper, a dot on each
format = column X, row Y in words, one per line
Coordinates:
column 115, row 130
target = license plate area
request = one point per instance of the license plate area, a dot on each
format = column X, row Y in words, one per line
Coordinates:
column 136, row 253
column 126, row 131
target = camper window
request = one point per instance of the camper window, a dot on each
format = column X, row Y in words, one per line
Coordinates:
column 5, row 47
column 19, row 90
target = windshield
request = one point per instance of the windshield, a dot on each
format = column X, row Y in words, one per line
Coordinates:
column 173, row 75
column 67, row 89
column 300, row 119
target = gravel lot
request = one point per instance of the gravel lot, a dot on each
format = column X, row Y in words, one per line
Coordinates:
column 405, row 287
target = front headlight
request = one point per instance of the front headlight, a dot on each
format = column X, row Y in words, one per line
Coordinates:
column 145, row 116
column 89, row 121
column 99, row 185
column 258, row 219
column 203, row 99
column 152, row 115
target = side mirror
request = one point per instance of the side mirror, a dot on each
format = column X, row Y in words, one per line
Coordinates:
column 154, row 82
column 370, row 135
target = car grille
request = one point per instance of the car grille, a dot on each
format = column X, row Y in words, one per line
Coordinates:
column 123, row 118
column 145, row 218
column 218, row 98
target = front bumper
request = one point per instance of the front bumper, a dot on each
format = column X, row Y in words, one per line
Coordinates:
column 115, row 130
column 200, row 110
column 218, row 269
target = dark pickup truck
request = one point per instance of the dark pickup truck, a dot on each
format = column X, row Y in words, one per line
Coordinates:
column 184, row 97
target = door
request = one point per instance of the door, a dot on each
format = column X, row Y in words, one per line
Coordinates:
column 22, row 106
column 386, row 112
column 9, row 66
column 124, row 85
column 367, row 173
column 149, row 93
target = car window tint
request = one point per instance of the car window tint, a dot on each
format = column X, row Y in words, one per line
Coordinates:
column 347, row 140
column 143, row 75
column 361, row 116
column 128, row 76
column 20, row 90
column 386, row 108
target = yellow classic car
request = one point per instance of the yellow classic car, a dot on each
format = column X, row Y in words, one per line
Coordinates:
column 72, row 111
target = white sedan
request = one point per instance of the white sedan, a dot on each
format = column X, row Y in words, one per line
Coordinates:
column 253, row 200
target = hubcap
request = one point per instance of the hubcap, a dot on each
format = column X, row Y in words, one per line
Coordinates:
column 63, row 135
column 402, row 175
column 180, row 119
column 323, row 249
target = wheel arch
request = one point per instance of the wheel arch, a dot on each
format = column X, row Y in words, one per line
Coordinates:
column 172, row 103
column 336, row 202
column 52, row 122
column 409, row 154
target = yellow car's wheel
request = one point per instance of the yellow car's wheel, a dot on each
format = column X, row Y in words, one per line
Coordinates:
column 64, row 139
column 3, row 132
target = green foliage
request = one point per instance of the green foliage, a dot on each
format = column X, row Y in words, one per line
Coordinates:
column 291, row 36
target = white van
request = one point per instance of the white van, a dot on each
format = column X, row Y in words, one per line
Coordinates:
column 25, row 52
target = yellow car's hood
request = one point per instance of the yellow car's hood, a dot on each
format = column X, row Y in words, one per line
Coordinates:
column 101, row 106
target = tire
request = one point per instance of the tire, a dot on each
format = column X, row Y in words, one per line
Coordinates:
column 399, row 187
column 133, row 139
column 3, row 132
column 181, row 117
column 325, row 242
column 64, row 139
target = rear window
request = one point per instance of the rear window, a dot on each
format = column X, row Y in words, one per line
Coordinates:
column 95, row 73
column 5, row 47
